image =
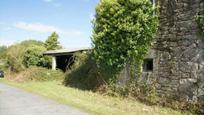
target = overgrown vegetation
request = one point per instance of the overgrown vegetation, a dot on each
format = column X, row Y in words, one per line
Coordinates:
column 84, row 73
column 15, row 54
column 200, row 20
column 123, row 32
column 36, row 74
column 33, row 56
column 3, row 50
column 25, row 61
column 30, row 53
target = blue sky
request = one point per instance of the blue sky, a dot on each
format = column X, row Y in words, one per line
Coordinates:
column 37, row 19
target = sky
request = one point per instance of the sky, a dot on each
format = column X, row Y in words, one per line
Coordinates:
column 37, row 19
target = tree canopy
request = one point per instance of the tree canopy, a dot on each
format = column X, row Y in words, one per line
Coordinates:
column 33, row 56
column 27, row 53
column 52, row 42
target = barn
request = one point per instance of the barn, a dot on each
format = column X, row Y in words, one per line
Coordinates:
column 63, row 58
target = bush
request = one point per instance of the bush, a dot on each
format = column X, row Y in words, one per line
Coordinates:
column 15, row 55
column 84, row 73
column 36, row 74
column 2, row 52
column 34, row 57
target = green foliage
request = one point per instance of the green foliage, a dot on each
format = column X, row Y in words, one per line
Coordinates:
column 52, row 42
column 123, row 32
column 134, row 90
column 200, row 20
column 15, row 54
column 3, row 52
column 34, row 57
column 14, row 57
column 37, row 74
column 28, row 43
column 85, row 74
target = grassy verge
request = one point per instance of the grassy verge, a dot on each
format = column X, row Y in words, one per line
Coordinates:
column 89, row 101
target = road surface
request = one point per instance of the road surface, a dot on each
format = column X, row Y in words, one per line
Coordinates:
column 14, row 101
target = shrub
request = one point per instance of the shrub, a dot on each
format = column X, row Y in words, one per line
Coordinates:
column 16, row 59
column 34, row 57
column 2, row 52
column 85, row 74
column 36, row 74
column 14, row 56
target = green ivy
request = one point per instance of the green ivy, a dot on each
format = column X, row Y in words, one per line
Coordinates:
column 123, row 32
column 200, row 19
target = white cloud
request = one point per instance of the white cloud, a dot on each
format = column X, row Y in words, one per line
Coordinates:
column 37, row 27
column 41, row 28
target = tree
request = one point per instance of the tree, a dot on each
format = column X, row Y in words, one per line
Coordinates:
column 33, row 56
column 21, row 55
column 123, row 32
column 52, row 42
column 15, row 52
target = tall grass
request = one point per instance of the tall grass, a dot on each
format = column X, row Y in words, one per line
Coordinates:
column 92, row 102
column 35, row 74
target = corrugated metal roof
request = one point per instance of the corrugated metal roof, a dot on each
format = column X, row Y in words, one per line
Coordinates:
column 65, row 51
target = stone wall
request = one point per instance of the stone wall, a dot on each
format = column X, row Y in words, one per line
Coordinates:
column 177, row 53
column 179, row 57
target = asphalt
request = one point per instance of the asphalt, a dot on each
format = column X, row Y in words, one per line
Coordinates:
column 14, row 101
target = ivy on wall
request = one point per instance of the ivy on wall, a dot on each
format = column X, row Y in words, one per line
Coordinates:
column 123, row 32
column 200, row 19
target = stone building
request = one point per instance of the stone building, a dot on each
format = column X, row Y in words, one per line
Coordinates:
column 178, row 52
column 176, row 60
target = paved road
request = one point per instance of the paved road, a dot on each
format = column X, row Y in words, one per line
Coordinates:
column 17, row 102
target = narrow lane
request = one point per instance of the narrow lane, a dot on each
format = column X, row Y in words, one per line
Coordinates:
column 14, row 101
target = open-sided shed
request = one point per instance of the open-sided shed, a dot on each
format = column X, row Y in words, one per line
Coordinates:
column 63, row 58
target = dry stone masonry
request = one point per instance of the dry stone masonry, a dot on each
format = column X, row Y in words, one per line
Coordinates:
column 177, row 54
column 179, row 51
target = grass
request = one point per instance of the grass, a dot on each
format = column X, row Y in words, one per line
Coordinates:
column 89, row 101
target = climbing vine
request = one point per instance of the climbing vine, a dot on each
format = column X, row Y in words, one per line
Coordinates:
column 123, row 32
column 200, row 20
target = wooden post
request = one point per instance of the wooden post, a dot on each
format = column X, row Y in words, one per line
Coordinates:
column 54, row 63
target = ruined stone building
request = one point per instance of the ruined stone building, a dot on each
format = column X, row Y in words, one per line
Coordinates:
column 176, row 60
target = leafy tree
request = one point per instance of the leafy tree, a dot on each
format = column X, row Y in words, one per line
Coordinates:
column 123, row 32
column 52, row 42
column 15, row 54
column 33, row 56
